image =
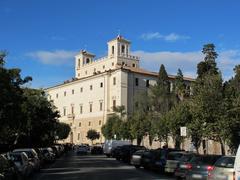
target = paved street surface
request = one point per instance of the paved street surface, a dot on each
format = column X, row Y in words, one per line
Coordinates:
column 74, row 167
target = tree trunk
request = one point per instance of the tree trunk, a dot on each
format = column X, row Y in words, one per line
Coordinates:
column 222, row 146
column 139, row 140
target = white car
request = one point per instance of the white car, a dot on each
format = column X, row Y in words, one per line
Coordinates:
column 32, row 157
column 20, row 159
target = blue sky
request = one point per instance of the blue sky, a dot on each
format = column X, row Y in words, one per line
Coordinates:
column 42, row 36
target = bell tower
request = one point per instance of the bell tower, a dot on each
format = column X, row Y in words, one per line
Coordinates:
column 82, row 59
column 118, row 47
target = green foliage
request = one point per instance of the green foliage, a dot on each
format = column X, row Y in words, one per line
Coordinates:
column 92, row 134
column 62, row 130
column 180, row 87
column 27, row 118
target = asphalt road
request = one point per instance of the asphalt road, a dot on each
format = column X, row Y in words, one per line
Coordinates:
column 90, row 167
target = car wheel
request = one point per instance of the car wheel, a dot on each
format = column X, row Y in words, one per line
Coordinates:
column 137, row 166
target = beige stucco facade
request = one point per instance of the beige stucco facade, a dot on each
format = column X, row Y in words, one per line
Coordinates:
column 86, row 101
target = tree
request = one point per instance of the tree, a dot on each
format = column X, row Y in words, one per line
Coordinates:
column 178, row 117
column 11, row 99
column 161, row 100
column 206, row 103
column 62, row 130
column 92, row 135
column 41, row 119
column 140, row 119
column 180, row 87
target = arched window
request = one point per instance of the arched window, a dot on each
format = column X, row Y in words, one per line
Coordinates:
column 87, row 60
column 123, row 49
column 112, row 49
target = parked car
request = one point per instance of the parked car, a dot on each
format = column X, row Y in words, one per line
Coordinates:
column 172, row 161
column 96, row 150
column 237, row 164
column 110, row 145
column 8, row 170
column 82, row 150
column 223, row 169
column 184, row 165
column 20, row 159
column 116, row 152
column 136, row 159
column 152, row 160
column 48, row 155
column 126, row 151
column 32, row 157
column 201, row 166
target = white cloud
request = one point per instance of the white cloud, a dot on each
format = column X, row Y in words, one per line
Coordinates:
column 172, row 37
column 187, row 61
column 57, row 57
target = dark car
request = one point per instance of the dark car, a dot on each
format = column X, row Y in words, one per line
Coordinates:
column 172, row 161
column 152, row 160
column 136, row 159
column 201, row 166
column 127, row 151
column 184, row 165
column 8, row 170
column 96, row 150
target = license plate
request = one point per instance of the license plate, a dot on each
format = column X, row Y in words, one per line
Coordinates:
column 222, row 177
column 197, row 176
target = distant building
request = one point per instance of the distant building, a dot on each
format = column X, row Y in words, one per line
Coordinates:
column 86, row 101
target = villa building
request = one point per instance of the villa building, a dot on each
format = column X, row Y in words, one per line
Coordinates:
column 86, row 101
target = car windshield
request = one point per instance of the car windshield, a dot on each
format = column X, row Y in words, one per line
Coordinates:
column 16, row 157
column 29, row 154
column 205, row 160
column 186, row 157
column 225, row 162
column 174, row 156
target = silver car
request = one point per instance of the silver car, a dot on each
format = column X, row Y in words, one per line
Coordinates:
column 32, row 157
column 223, row 169
column 173, row 159
column 20, row 159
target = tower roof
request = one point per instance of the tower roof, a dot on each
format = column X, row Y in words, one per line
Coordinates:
column 120, row 38
column 84, row 52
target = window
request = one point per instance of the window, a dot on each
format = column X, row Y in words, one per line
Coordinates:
column 86, row 72
column 114, row 81
column 50, row 97
column 147, row 83
column 94, row 70
column 114, row 103
column 87, row 60
column 112, row 63
column 81, row 89
column 78, row 136
column 136, row 81
column 123, row 63
column 101, row 84
column 70, row 124
column 80, row 124
column 100, row 122
column 90, row 108
column 123, row 49
column 133, row 65
column 79, row 61
column 90, row 87
column 103, row 67
column 56, row 95
column 64, row 111
column 101, row 106
column 65, row 93
column 81, row 109
column 89, row 123
column 72, row 109
column 78, row 74
column 112, row 49
column 72, row 91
